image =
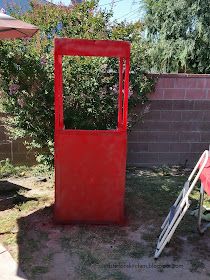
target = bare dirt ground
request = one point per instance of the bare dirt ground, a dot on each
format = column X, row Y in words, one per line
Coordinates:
column 47, row 251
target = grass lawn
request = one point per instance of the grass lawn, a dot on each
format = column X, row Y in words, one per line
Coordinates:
column 48, row 251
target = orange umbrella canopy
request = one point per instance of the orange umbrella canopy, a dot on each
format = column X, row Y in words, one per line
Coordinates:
column 12, row 28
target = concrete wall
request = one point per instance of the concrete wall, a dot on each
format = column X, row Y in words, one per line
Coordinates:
column 176, row 125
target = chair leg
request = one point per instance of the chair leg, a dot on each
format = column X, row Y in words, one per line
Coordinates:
column 201, row 228
column 200, row 209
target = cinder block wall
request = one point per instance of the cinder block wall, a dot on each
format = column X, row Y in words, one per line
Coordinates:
column 174, row 131
column 176, row 125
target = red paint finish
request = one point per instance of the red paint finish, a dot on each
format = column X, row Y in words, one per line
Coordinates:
column 90, row 164
column 205, row 177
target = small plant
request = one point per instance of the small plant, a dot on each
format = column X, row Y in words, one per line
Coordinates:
column 164, row 170
column 8, row 169
column 37, row 270
column 87, row 258
column 132, row 249
column 42, row 170
column 196, row 265
column 119, row 275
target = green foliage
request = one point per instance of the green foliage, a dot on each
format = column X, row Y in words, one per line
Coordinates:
column 8, row 169
column 97, row 107
column 179, row 35
column 90, row 84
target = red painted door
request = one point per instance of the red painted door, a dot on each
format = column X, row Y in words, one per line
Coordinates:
column 90, row 165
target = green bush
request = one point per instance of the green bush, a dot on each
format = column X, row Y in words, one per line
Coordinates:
column 90, row 84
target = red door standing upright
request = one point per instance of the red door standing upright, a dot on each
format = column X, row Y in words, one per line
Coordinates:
column 90, row 165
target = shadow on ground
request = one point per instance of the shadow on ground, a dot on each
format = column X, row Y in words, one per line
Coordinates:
column 10, row 195
column 55, row 252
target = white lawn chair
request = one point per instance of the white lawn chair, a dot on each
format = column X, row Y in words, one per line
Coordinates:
column 181, row 205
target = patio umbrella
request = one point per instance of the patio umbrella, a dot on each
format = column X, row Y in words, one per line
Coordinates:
column 12, row 28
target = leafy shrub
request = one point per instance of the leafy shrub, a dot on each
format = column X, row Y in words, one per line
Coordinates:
column 8, row 169
column 27, row 79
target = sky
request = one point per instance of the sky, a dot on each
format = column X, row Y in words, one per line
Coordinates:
column 122, row 9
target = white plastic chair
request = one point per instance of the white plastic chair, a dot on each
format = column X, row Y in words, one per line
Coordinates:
column 181, row 205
